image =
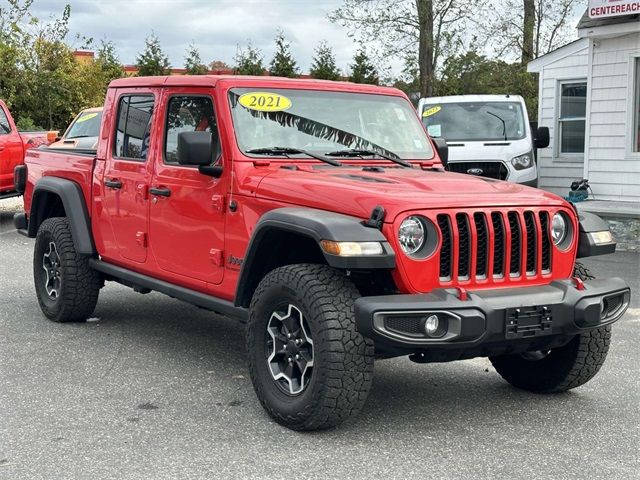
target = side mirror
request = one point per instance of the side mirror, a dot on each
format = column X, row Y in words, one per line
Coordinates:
column 196, row 148
column 443, row 150
column 541, row 139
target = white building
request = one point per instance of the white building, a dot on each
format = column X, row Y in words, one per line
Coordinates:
column 589, row 97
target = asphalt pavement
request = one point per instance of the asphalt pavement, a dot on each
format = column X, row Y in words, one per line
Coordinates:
column 153, row 388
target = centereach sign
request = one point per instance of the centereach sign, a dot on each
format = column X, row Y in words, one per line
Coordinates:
column 613, row 8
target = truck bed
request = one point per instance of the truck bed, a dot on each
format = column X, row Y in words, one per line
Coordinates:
column 75, row 165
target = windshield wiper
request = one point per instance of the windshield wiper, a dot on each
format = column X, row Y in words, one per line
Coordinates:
column 504, row 124
column 292, row 151
column 354, row 152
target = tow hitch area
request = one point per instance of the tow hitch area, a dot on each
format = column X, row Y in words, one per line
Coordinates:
column 527, row 322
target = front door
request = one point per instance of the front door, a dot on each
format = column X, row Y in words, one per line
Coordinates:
column 127, row 176
column 187, row 208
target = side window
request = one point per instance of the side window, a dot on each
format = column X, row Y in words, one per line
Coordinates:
column 187, row 114
column 134, row 126
column 5, row 127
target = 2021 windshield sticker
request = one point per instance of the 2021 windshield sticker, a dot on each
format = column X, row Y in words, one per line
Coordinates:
column 431, row 111
column 265, row 101
column 86, row 117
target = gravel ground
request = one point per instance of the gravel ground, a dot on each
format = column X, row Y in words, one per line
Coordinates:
column 155, row 388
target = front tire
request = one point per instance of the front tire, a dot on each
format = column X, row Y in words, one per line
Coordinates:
column 560, row 369
column 311, row 369
column 66, row 286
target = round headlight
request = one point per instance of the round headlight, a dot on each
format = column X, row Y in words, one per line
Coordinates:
column 411, row 235
column 558, row 229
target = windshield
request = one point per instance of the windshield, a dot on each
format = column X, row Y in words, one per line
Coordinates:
column 87, row 124
column 324, row 122
column 475, row 121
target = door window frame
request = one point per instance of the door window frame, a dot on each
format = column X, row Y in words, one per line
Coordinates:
column 6, row 116
column 165, row 128
column 117, row 120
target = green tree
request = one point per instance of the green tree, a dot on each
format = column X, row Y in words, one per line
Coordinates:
column 107, row 60
column 283, row 64
column 362, row 70
column 152, row 61
column 529, row 28
column 193, row 63
column 323, row 65
column 472, row 73
column 434, row 29
column 219, row 65
column 40, row 79
column 249, row 61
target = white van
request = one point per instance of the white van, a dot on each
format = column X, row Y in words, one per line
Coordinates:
column 487, row 135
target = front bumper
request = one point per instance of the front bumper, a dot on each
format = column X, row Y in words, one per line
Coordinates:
column 490, row 322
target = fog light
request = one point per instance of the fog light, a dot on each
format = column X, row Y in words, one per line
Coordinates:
column 431, row 325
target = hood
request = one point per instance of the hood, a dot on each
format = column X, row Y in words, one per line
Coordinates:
column 82, row 143
column 355, row 191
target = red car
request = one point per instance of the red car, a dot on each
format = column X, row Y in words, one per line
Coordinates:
column 13, row 145
column 322, row 215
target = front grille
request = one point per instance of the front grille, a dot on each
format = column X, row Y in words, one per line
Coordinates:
column 464, row 245
column 495, row 170
column 445, row 248
column 546, row 242
column 516, row 243
column 491, row 245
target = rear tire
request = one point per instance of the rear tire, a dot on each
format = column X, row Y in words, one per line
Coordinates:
column 66, row 286
column 560, row 369
column 310, row 306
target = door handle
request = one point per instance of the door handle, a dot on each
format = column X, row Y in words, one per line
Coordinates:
column 115, row 183
column 162, row 192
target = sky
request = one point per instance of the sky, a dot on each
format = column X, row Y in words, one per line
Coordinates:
column 216, row 27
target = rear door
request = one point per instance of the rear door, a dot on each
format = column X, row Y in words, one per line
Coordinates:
column 11, row 151
column 187, row 208
column 127, row 175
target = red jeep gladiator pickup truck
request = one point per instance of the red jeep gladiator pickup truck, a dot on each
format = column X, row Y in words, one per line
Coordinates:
column 13, row 145
column 321, row 214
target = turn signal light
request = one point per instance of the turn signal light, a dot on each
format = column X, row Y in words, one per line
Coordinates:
column 351, row 249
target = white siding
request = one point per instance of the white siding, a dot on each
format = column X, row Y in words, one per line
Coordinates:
column 556, row 174
column 613, row 172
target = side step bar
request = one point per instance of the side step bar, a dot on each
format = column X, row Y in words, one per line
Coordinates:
column 134, row 279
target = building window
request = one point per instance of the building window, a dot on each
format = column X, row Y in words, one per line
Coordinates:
column 571, row 118
column 636, row 108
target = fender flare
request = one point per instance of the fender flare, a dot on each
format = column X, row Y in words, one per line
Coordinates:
column 317, row 225
column 590, row 222
column 75, row 207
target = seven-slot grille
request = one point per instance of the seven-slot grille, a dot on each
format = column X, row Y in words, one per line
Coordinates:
column 494, row 244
